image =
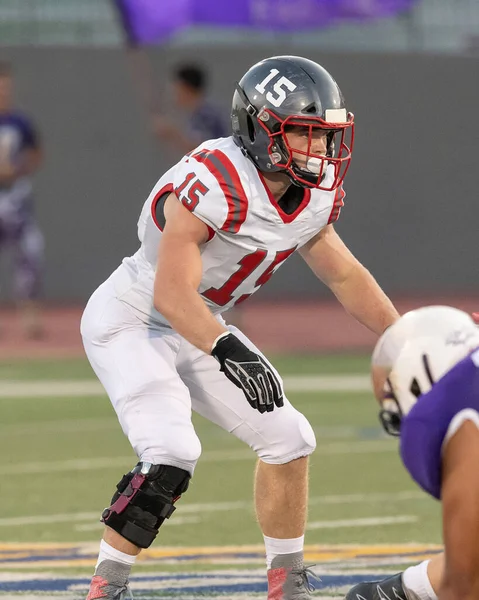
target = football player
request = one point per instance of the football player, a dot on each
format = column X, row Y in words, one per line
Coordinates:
column 425, row 371
column 214, row 229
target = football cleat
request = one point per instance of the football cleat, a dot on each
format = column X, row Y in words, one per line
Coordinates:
column 288, row 579
column 108, row 583
column 390, row 588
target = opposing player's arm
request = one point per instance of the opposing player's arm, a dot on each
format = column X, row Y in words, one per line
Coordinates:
column 460, row 502
column 352, row 284
column 178, row 276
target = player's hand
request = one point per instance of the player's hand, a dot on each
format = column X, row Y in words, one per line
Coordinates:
column 250, row 372
column 475, row 316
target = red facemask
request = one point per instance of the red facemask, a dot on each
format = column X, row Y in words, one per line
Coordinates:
column 323, row 172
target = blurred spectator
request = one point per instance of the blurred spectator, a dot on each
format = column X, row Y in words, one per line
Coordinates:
column 204, row 119
column 20, row 157
column 205, row 122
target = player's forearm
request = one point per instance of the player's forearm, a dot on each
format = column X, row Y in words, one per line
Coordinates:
column 187, row 313
column 363, row 298
column 461, row 570
column 460, row 509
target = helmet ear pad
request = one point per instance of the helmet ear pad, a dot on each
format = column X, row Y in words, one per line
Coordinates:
column 247, row 125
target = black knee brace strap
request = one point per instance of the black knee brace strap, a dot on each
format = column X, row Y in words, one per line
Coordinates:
column 145, row 498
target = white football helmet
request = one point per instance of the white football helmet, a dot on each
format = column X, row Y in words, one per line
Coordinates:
column 414, row 353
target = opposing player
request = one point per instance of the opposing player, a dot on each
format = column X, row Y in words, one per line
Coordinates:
column 214, row 229
column 425, row 372
column 20, row 157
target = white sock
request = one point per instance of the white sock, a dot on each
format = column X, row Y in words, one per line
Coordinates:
column 107, row 552
column 274, row 547
column 416, row 580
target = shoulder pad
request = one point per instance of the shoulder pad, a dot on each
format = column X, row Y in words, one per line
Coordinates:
column 208, row 184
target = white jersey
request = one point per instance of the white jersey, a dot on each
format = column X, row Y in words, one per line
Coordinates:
column 250, row 236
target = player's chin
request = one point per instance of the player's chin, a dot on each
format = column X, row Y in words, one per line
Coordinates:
column 300, row 161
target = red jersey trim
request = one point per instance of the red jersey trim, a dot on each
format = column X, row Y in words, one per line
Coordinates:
column 284, row 216
column 220, row 166
column 337, row 205
column 166, row 189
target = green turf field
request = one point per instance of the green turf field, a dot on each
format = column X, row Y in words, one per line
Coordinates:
column 64, row 455
column 61, row 457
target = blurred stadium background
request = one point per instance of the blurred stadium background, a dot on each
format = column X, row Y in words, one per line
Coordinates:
column 410, row 215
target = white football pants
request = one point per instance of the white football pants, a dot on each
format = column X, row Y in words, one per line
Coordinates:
column 155, row 378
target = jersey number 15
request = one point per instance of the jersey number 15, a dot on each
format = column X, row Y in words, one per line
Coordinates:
column 225, row 294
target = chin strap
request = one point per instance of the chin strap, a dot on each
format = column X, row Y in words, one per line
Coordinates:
column 250, row 109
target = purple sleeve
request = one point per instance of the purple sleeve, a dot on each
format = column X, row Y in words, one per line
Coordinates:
column 29, row 134
column 421, row 444
column 424, row 429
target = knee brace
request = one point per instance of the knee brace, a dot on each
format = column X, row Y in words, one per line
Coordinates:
column 145, row 497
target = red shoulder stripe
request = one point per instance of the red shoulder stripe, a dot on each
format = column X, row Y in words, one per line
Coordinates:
column 220, row 166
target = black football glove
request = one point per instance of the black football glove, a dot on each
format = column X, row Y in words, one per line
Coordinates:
column 250, row 372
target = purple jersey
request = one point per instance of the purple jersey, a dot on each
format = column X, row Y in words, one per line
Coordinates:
column 16, row 135
column 425, row 428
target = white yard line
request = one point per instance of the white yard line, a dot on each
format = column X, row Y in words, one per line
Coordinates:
column 380, row 497
column 98, row 526
column 231, row 455
column 58, row 466
column 373, row 522
column 89, row 388
column 88, row 425
column 43, row 519
column 50, row 389
column 70, row 597
column 83, row 425
column 200, row 508
column 357, row 447
column 328, row 383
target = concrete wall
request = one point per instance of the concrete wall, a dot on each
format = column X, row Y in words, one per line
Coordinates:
column 412, row 206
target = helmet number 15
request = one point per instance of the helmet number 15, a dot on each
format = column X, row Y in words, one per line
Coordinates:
column 279, row 88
